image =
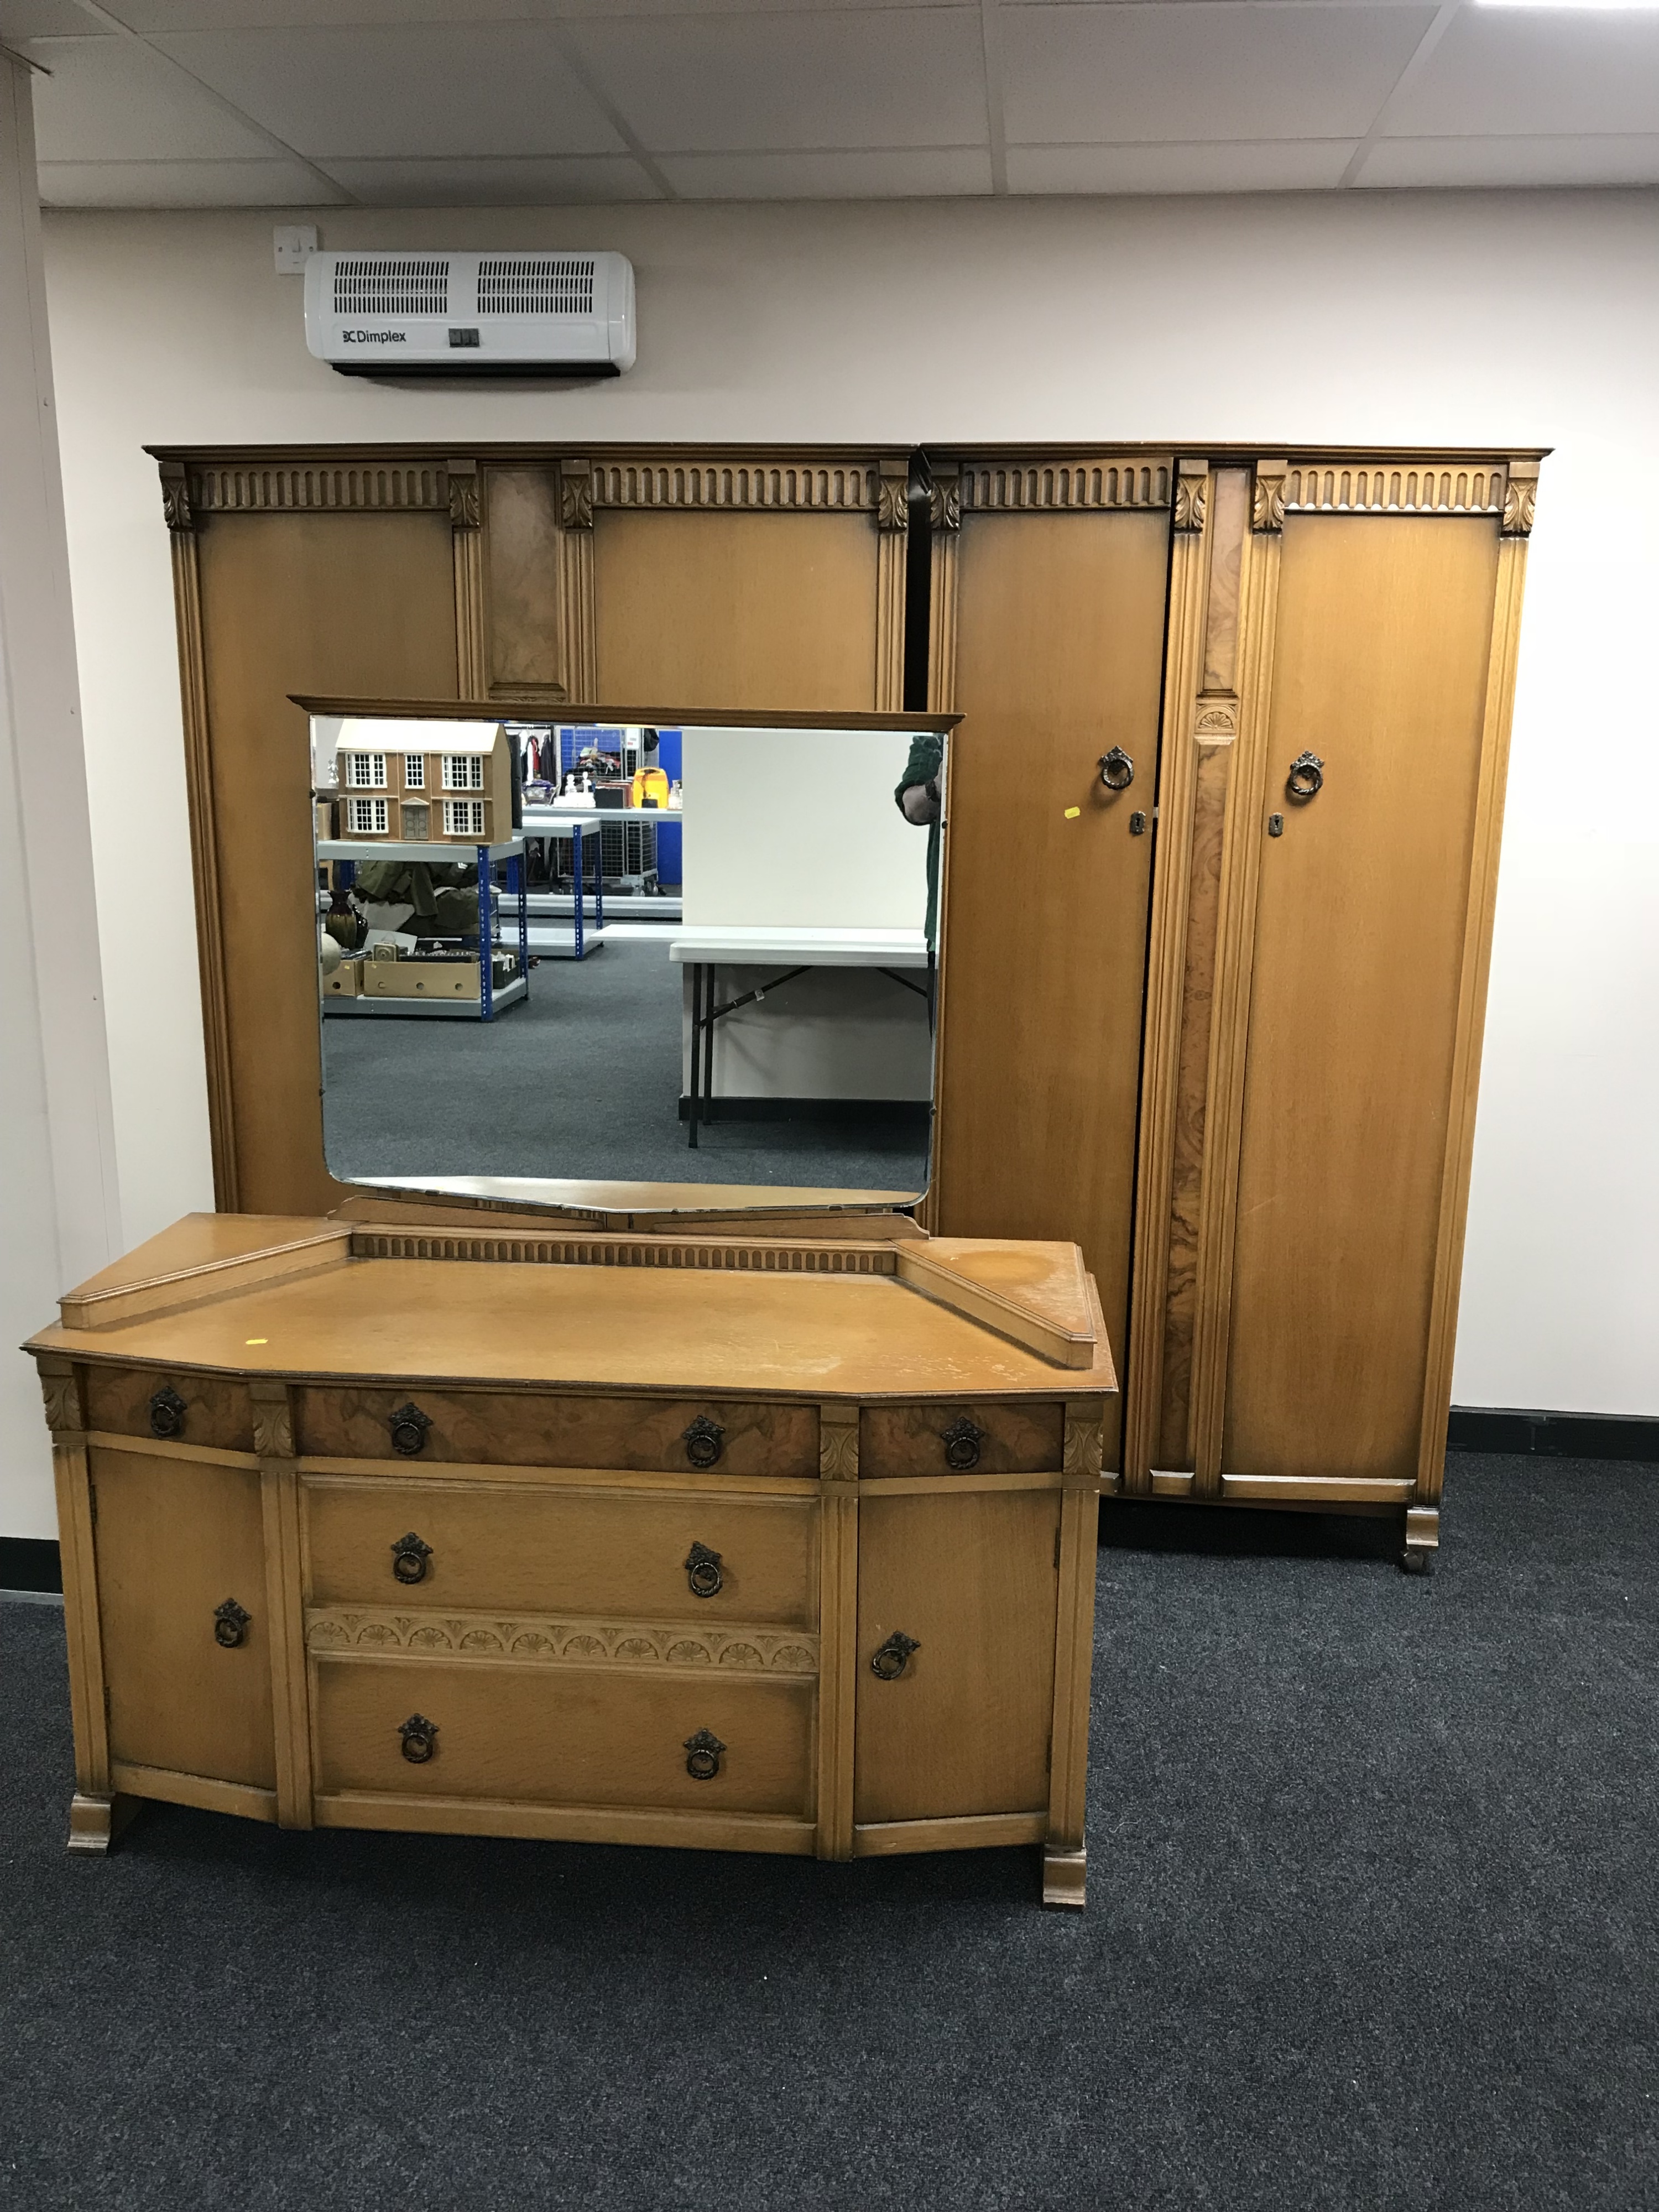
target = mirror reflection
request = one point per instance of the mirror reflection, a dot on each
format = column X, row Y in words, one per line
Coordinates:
column 670, row 955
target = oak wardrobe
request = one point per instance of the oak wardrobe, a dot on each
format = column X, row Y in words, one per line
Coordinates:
column 1220, row 866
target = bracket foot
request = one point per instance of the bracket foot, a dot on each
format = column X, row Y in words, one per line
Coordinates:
column 96, row 1824
column 1063, row 1877
column 1422, row 1539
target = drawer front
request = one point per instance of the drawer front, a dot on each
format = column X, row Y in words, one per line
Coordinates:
column 121, row 1401
column 479, row 1427
column 943, row 1438
column 563, row 1736
column 556, row 1551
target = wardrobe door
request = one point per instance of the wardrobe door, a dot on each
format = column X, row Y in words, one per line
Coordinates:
column 1331, row 796
column 1049, row 591
column 1379, row 675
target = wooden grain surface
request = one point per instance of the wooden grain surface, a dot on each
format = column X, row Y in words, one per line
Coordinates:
column 550, row 1551
column 175, row 1539
column 568, row 1737
column 895, row 1440
column 1380, row 668
column 965, row 1728
column 1060, row 644
column 739, row 610
column 218, row 1411
column 199, row 1242
column 478, row 1427
column 602, row 1328
column 292, row 603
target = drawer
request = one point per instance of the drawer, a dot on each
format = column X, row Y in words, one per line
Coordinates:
column 943, row 1438
column 550, row 1550
column 208, row 1410
column 562, row 1736
column 530, row 1429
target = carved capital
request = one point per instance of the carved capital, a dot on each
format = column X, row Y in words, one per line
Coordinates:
column 1519, row 503
column 944, row 502
column 1083, row 1451
column 1267, row 499
column 576, row 494
column 176, row 498
column 1189, row 492
column 273, row 1425
column 838, row 1444
column 893, row 501
column 465, row 498
column 62, row 1392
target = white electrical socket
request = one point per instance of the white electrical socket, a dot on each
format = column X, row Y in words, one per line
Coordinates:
column 295, row 243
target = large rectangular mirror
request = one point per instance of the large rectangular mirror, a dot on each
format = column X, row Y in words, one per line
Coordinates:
column 697, row 958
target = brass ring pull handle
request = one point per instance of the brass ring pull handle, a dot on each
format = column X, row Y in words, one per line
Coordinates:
column 166, row 1412
column 962, row 1440
column 420, row 1738
column 409, row 1558
column 1306, row 777
column 889, row 1662
column 704, row 1441
column 230, row 1622
column 1117, row 771
column 409, row 1425
column 704, row 1752
column 702, row 1571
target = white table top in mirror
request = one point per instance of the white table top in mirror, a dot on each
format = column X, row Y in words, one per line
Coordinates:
column 738, row 944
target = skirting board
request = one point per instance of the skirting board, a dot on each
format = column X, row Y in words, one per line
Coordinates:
column 30, row 1563
column 1554, row 1435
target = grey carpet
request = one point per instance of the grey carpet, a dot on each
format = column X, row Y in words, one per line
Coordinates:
column 580, row 1078
column 1372, row 1924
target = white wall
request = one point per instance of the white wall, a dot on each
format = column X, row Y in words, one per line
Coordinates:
column 1413, row 318
column 799, row 829
column 58, row 1212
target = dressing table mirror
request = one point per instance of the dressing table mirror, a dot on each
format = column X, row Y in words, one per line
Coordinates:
column 621, row 1460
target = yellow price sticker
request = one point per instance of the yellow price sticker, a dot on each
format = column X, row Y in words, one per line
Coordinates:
column 255, row 1340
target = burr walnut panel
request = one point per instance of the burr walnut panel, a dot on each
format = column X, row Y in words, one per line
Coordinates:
column 549, row 1430
column 214, row 1410
column 901, row 1440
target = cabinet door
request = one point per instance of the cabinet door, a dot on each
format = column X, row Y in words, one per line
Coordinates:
column 1380, row 664
column 965, row 1727
column 1057, row 658
column 175, row 1539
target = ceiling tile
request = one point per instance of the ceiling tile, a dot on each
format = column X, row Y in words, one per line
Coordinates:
column 20, row 20
column 151, row 15
column 878, row 173
column 493, row 90
column 903, row 77
column 1277, row 165
column 148, row 16
column 273, row 183
column 1130, row 74
column 575, row 181
column 1495, row 162
column 112, row 99
column 1511, row 72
